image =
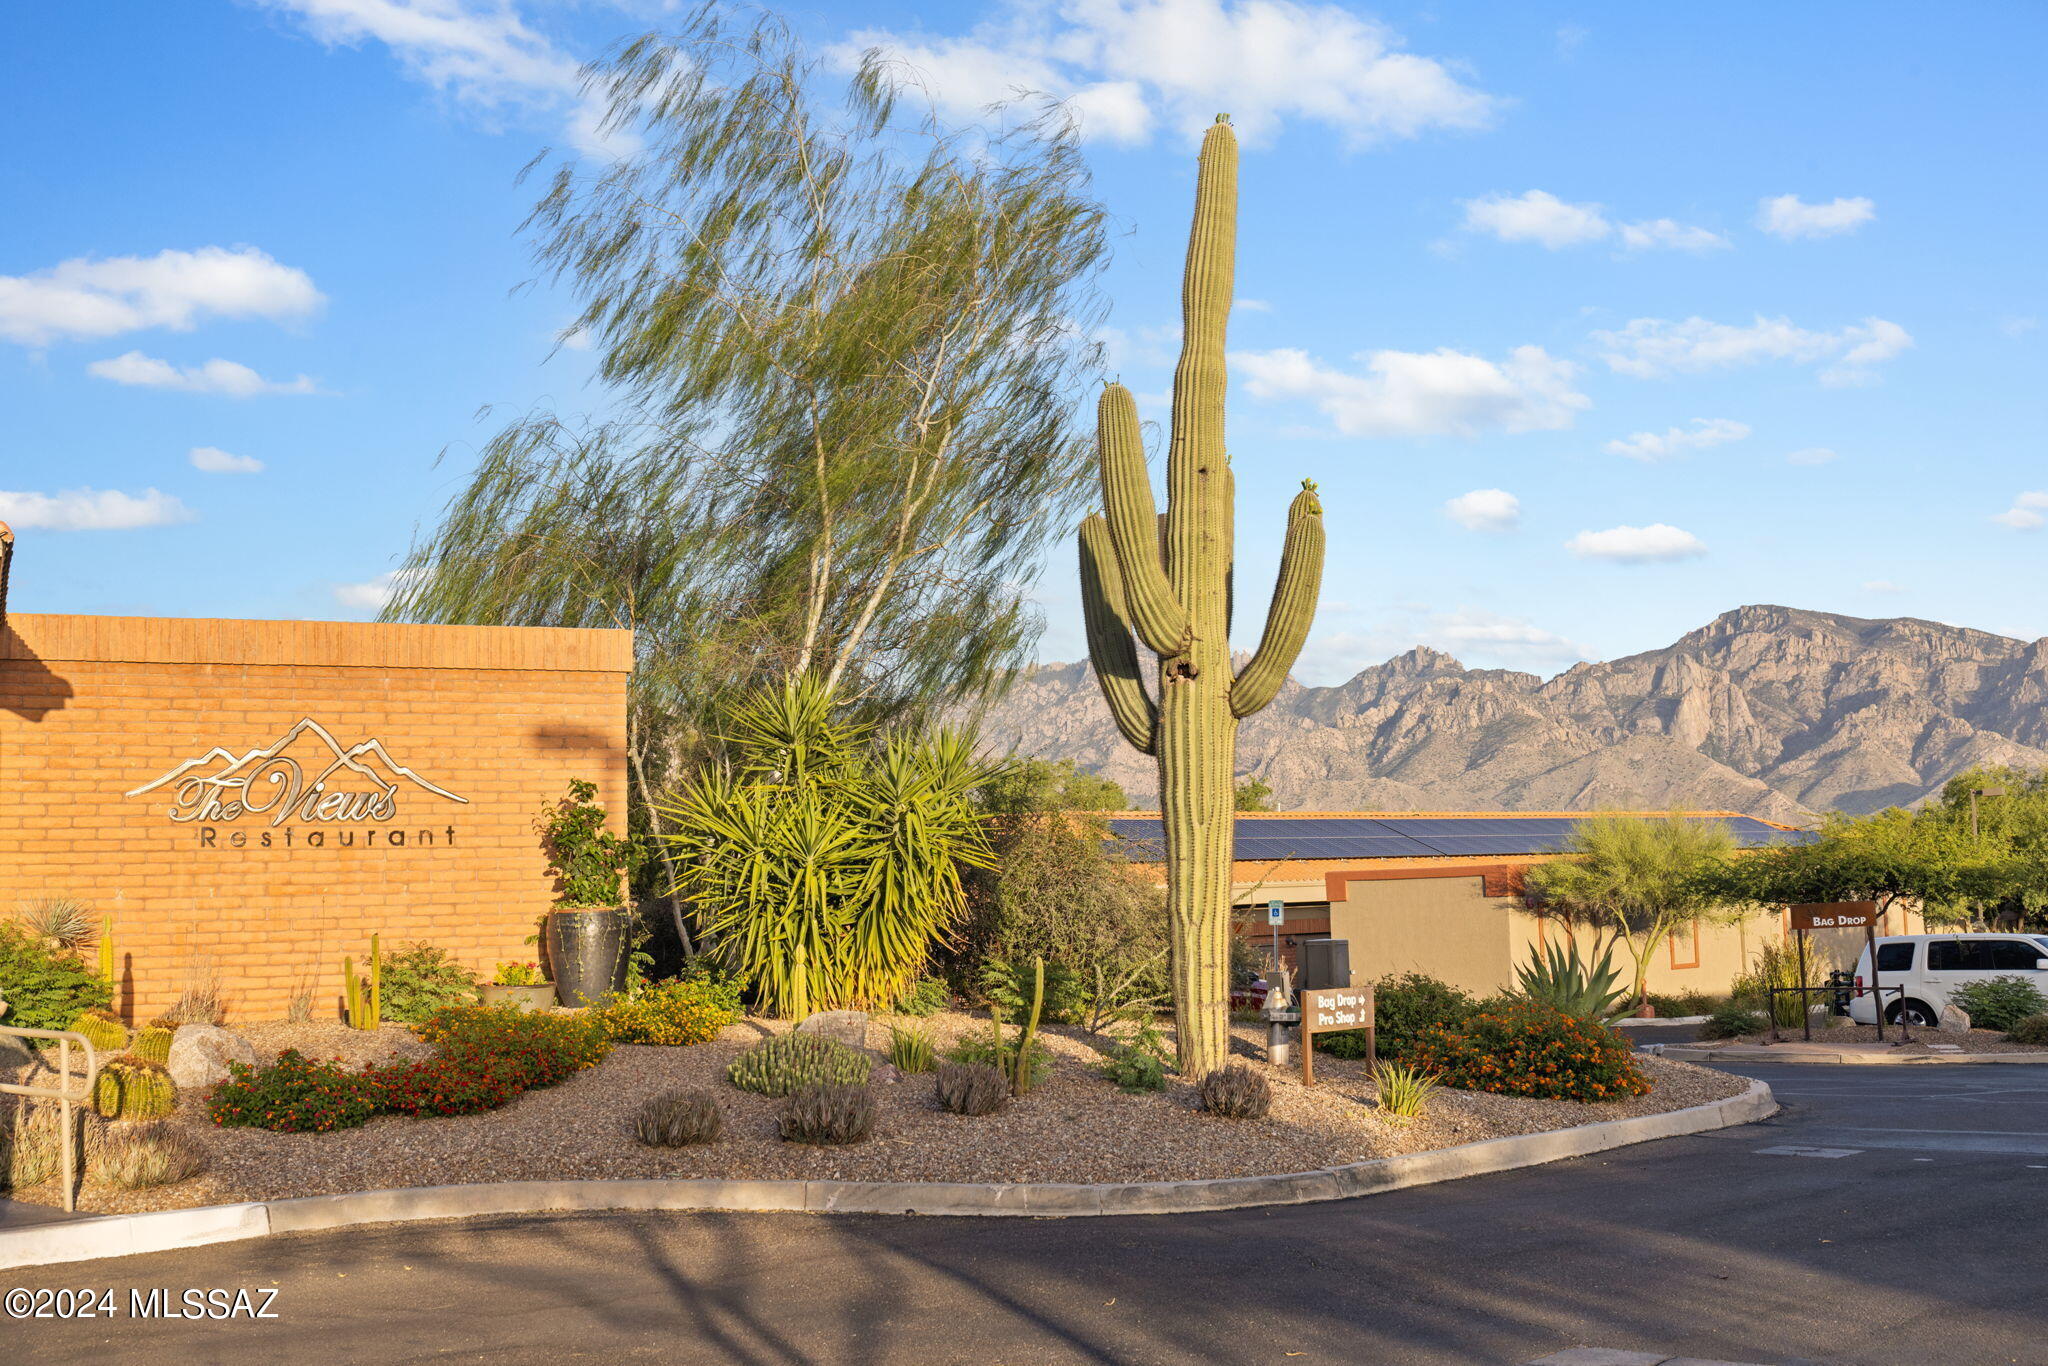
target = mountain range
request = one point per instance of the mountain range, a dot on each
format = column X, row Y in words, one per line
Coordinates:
column 1773, row 711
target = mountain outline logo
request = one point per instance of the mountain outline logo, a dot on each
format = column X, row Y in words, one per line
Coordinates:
column 221, row 786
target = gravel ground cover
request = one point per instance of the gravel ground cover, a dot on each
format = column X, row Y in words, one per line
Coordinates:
column 1976, row 1041
column 1073, row 1127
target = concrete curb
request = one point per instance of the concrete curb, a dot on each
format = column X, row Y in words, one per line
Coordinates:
column 1759, row 1053
column 121, row 1235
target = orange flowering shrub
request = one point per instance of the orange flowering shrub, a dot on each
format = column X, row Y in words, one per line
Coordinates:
column 1525, row 1048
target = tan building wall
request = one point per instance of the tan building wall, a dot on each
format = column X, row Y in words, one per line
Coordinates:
column 1444, row 926
column 113, row 729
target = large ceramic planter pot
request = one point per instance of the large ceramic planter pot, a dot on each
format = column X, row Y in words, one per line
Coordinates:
column 524, row 998
column 587, row 953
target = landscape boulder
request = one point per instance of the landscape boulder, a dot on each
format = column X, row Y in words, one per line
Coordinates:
column 200, row 1055
column 1954, row 1020
column 849, row 1027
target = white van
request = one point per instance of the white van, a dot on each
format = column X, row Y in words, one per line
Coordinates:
column 1932, row 966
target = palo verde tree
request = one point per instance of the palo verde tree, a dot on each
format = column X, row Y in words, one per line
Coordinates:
column 1889, row 857
column 1174, row 589
column 1638, row 879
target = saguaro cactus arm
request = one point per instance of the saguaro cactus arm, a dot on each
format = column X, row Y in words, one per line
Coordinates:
column 1110, row 646
column 1294, row 606
column 1127, row 500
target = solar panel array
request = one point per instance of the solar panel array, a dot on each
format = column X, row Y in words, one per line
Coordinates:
column 1270, row 838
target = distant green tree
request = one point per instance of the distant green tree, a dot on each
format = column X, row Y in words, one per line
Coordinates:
column 1253, row 795
column 1026, row 786
column 1638, row 880
column 1889, row 857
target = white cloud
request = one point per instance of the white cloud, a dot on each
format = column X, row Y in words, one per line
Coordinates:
column 1882, row 586
column 1485, row 510
column 1652, row 347
column 1127, row 67
column 1406, row 393
column 2028, row 511
column 1812, row 455
column 1704, row 432
column 1790, row 217
column 2019, row 326
column 1539, row 216
column 372, row 595
column 1251, row 306
column 1665, row 232
column 214, row 460
column 213, row 377
column 84, row 297
column 1637, row 544
column 1536, row 216
column 91, row 510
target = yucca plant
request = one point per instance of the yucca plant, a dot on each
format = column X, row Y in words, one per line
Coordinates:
column 62, row 922
column 823, row 860
column 1560, row 977
column 1403, row 1090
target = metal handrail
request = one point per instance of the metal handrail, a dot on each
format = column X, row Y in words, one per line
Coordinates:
column 61, row 1093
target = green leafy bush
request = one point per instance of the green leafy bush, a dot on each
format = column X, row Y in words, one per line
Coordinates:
column 540, row 1048
column 420, row 980
column 45, row 987
column 789, row 1062
column 927, row 996
column 294, row 1095
column 586, row 859
column 677, row 1011
column 1344, row 1043
column 1006, row 983
column 1776, row 965
column 1999, row 1002
column 1406, row 1009
column 1677, row 1005
column 1526, row 1048
column 983, row 1047
column 1729, row 1020
column 2032, row 1030
column 1132, row 1069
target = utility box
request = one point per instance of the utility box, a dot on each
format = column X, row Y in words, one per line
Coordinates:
column 1325, row 963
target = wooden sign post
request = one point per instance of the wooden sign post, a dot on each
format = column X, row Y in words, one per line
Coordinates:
column 1807, row 916
column 1329, row 1010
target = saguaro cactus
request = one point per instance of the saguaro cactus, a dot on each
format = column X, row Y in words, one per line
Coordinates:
column 1172, row 588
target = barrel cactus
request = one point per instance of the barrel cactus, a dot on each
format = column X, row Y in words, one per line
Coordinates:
column 129, row 1088
column 102, row 1031
column 153, row 1044
column 1171, row 586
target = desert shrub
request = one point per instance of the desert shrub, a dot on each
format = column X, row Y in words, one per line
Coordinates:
column 45, row 987
column 101, row 1030
column 1776, row 965
column 202, row 1000
column 1675, row 1005
column 1404, row 1091
column 910, row 1050
column 129, row 1088
column 1133, row 1069
column 1008, row 984
column 971, row 1088
column 62, row 922
column 2032, row 1030
column 464, row 1083
column 1236, row 1092
column 1530, row 1049
column 1729, row 1020
column 983, row 1047
column 158, row 1153
column 828, row 1114
column 31, row 1145
column 153, row 1044
column 419, row 981
column 926, row 996
column 1999, row 1002
column 678, row 1119
column 1408, row 1007
column 294, row 1095
column 790, row 1062
column 1343, row 1043
column 540, row 1048
column 678, row 1011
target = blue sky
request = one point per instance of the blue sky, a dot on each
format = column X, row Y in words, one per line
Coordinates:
column 1591, row 321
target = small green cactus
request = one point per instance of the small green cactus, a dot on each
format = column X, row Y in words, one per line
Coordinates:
column 132, row 1088
column 107, row 949
column 364, row 997
column 153, row 1044
column 103, row 1031
column 787, row 1062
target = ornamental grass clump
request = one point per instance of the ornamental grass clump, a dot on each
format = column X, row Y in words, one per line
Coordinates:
column 158, row 1153
column 1403, row 1091
column 676, row 1012
column 910, row 1050
column 971, row 1088
column 679, row 1119
column 788, row 1062
column 831, row 1114
column 294, row 1095
column 31, row 1146
column 1525, row 1048
column 130, row 1088
column 1235, row 1092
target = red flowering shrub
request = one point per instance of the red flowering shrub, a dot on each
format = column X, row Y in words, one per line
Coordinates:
column 540, row 1048
column 462, row 1085
column 295, row 1095
column 1525, row 1048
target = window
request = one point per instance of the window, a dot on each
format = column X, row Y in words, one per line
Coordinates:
column 1959, row 955
column 1894, row 957
column 2014, row 955
column 1685, row 946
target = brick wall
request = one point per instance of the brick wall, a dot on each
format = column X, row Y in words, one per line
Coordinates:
column 92, row 708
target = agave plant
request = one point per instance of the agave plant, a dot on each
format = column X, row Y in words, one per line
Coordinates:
column 1560, row 977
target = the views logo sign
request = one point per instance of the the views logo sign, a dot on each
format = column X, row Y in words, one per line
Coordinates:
column 360, row 783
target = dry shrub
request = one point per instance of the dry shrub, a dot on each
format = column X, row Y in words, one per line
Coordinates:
column 1236, row 1092
column 829, row 1114
column 678, row 1119
column 971, row 1088
column 156, row 1153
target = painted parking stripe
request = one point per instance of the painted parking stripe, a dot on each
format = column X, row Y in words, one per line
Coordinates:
column 1792, row 1150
